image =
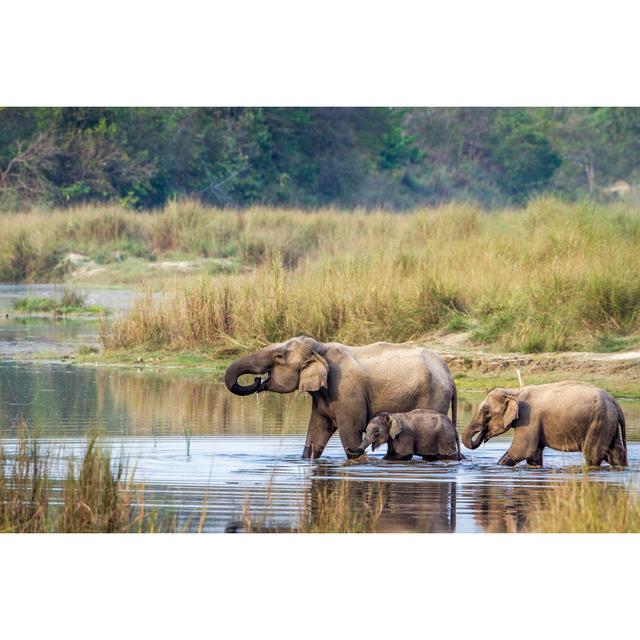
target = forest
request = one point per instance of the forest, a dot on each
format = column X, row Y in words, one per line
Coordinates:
column 393, row 158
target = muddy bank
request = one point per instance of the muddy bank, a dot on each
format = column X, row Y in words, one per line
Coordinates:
column 626, row 363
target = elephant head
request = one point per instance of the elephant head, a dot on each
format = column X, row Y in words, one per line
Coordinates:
column 379, row 430
column 494, row 415
column 294, row 364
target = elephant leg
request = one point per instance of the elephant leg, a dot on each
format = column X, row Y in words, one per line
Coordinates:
column 525, row 445
column 601, row 435
column 593, row 459
column 616, row 455
column 318, row 433
column 536, row 459
column 508, row 461
column 351, row 438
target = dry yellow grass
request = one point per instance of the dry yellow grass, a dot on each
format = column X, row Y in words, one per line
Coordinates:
column 340, row 507
column 552, row 276
column 93, row 497
column 584, row 505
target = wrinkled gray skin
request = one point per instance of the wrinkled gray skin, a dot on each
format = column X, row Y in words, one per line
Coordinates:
column 419, row 432
column 348, row 385
column 566, row 416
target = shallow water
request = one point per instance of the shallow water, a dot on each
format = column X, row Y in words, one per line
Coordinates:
column 33, row 336
column 112, row 299
column 247, row 451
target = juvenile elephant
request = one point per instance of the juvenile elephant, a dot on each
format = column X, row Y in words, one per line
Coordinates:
column 348, row 385
column 419, row 432
column 566, row 416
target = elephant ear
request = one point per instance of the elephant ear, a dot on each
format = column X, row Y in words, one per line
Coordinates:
column 395, row 428
column 510, row 411
column 314, row 373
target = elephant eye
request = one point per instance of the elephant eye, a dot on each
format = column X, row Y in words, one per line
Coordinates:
column 279, row 356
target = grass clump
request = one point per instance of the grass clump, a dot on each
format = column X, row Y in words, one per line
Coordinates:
column 584, row 505
column 95, row 496
column 69, row 303
column 342, row 508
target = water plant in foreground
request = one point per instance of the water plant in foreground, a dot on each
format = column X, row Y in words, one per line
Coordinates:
column 94, row 496
column 583, row 504
column 326, row 507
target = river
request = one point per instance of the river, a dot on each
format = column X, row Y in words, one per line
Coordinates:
column 198, row 448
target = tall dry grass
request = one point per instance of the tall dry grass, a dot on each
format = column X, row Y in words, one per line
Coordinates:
column 584, row 505
column 551, row 276
column 336, row 507
column 341, row 508
column 95, row 496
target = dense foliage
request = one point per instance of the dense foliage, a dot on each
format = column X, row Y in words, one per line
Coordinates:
column 313, row 156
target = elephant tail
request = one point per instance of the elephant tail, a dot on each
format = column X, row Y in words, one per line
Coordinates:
column 623, row 424
column 454, row 417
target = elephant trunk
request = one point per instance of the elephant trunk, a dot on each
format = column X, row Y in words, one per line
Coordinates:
column 360, row 450
column 257, row 363
column 473, row 435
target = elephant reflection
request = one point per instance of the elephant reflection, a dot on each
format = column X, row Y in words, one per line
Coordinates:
column 501, row 508
column 419, row 507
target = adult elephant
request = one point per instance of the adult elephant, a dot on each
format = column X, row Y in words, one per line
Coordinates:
column 348, row 385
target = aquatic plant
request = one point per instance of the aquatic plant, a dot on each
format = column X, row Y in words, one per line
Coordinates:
column 96, row 496
column 70, row 302
column 585, row 505
column 342, row 508
column 335, row 507
column 188, row 432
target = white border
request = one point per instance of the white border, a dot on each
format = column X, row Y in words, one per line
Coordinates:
column 318, row 53
column 292, row 586
column 335, row 52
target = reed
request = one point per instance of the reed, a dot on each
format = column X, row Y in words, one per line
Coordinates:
column 95, row 496
column 334, row 507
column 342, row 508
column 585, row 505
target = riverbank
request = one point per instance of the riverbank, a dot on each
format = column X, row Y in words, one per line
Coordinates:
column 551, row 276
column 472, row 370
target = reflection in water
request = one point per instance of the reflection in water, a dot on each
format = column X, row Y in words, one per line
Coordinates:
column 500, row 508
column 248, row 449
column 29, row 337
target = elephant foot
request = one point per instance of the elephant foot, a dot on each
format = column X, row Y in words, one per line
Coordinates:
column 507, row 460
column 311, row 453
column 535, row 460
column 353, row 454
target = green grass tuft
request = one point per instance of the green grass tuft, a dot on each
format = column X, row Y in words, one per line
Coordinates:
column 70, row 303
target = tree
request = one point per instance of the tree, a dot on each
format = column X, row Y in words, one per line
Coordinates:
column 520, row 154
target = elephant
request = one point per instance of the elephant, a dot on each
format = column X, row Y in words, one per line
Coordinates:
column 566, row 416
column 419, row 432
column 348, row 385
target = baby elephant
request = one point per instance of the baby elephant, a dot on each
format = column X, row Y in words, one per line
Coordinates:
column 420, row 432
column 566, row 416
